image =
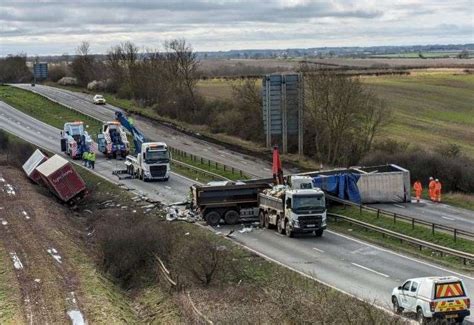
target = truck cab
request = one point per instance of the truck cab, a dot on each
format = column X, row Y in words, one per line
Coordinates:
column 305, row 211
column 152, row 163
column 432, row 298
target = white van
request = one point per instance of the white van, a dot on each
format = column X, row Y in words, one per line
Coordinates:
column 432, row 298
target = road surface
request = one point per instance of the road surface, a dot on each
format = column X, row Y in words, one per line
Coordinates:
column 347, row 264
column 442, row 214
column 433, row 212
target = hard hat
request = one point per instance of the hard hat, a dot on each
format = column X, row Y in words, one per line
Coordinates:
column 437, row 180
column 431, row 178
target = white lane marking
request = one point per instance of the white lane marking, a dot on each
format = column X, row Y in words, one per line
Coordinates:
column 16, row 261
column 399, row 206
column 370, row 270
column 448, row 218
column 318, row 250
column 400, row 255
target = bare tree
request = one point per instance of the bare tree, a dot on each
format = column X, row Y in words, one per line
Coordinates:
column 345, row 116
column 183, row 65
column 83, row 64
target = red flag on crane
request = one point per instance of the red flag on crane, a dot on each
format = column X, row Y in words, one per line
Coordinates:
column 276, row 168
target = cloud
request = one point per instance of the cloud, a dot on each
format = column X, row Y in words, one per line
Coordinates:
column 43, row 27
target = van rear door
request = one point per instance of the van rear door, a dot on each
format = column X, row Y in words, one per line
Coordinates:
column 450, row 297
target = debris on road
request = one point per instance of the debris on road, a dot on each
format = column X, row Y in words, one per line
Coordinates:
column 245, row 229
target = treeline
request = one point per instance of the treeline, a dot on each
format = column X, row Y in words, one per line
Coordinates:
column 13, row 69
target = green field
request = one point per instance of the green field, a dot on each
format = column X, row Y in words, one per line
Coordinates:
column 430, row 107
column 413, row 55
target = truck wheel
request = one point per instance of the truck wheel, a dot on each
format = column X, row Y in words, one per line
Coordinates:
column 459, row 320
column 288, row 231
column 396, row 307
column 280, row 227
column 319, row 232
column 261, row 218
column 213, row 218
column 422, row 320
column 267, row 220
column 231, row 217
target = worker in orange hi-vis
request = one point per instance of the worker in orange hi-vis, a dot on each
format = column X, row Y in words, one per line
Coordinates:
column 418, row 190
column 431, row 189
column 437, row 191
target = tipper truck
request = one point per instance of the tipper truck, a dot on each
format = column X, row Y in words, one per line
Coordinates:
column 151, row 160
column 295, row 208
column 232, row 202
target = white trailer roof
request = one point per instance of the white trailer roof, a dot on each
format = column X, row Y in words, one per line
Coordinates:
column 35, row 159
column 51, row 165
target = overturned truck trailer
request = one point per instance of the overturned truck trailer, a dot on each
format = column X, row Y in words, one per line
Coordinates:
column 376, row 184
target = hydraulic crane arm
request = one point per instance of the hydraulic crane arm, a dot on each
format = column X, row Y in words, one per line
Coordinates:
column 138, row 137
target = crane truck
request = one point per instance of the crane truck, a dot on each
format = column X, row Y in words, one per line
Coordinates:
column 112, row 140
column 151, row 160
column 75, row 140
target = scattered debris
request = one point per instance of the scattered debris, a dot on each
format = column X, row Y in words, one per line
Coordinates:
column 186, row 234
column 16, row 261
column 245, row 229
column 9, row 190
column 124, row 207
column 88, row 211
column 230, row 233
column 25, row 214
column 4, row 222
column 54, row 253
column 74, row 313
column 38, row 280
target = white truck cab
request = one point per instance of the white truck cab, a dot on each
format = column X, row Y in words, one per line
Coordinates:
column 432, row 298
column 152, row 163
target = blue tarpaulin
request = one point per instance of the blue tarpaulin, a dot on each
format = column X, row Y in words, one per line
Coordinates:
column 344, row 185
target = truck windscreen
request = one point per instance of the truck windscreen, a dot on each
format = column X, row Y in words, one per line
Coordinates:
column 157, row 156
column 309, row 202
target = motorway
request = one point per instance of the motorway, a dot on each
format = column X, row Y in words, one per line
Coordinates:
column 433, row 212
column 363, row 270
column 440, row 214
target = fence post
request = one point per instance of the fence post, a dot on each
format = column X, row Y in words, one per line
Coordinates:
column 394, row 218
column 240, row 173
column 455, row 232
column 378, row 213
column 216, row 165
column 224, row 167
column 232, row 170
column 412, row 223
column 201, row 161
column 360, row 209
column 432, row 229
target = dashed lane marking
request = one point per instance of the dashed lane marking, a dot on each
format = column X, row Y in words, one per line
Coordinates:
column 318, row 250
column 448, row 218
column 370, row 270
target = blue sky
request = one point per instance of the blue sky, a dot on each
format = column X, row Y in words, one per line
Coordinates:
column 56, row 27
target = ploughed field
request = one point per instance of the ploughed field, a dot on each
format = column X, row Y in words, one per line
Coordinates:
column 430, row 107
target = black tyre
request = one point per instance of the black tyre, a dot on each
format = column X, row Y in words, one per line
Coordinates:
column 231, row 217
column 267, row 220
column 280, row 227
column 288, row 231
column 422, row 320
column 261, row 219
column 459, row 320
column 213, row 218
column 319, row 232
column 396, row 306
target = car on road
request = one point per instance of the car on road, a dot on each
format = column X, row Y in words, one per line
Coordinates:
column 99, row 100
column 430, row 298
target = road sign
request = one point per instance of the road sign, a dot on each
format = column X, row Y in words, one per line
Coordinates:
column 283, row 108
column 40, row 70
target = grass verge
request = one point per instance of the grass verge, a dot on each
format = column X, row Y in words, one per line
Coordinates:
column 10, row 296
column 45, row 110
column 461, row 200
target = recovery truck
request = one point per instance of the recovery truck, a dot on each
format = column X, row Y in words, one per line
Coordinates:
column 112, row 140
column 75, row 140
column 232, row 202
column 293, row 209
column 151, row 160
